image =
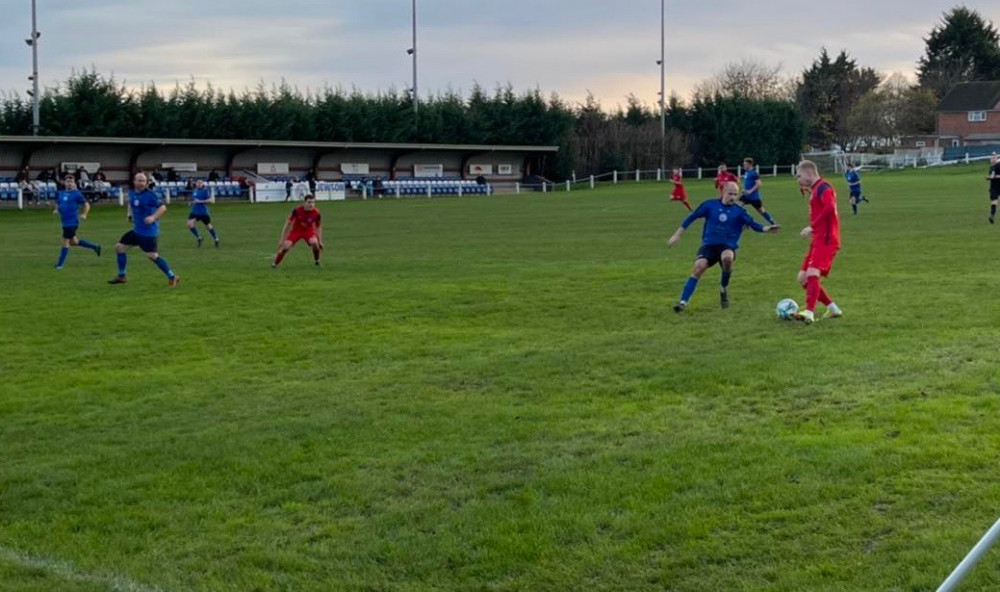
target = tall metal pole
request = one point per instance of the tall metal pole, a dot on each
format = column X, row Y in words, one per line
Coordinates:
column 414, row 54
column 33, row 42
column 663, row 97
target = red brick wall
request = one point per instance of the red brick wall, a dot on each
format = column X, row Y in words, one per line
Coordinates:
column 958, row 124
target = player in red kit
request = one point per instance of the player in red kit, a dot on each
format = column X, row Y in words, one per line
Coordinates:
column 723, row 177
column 304, row 223
column 824, row 232
column 679, row 193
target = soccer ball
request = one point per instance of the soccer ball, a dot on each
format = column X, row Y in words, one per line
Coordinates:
column 786, row 308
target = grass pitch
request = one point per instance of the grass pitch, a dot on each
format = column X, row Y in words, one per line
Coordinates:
column 493, row 394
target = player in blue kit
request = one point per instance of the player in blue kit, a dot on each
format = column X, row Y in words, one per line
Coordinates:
column 751, row 189
column 144, row 209
column 725, row 220
column 200, row 198
column 68, row 202
column 853, row 178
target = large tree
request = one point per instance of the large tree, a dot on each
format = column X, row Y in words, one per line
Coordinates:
column 963, row 48
column 895, row 109
column 731, row 128
column 826, row 94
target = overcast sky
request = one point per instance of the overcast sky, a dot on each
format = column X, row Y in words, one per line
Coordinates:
column 568, row 47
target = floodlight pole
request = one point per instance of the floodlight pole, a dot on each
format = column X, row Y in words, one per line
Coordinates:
column 663, row 98
column 33, row 42
column 413, row 52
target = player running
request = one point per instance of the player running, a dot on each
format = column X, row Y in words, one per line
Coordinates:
column 725, row 220
column 824, row 232
column 68, row 202
column 145, row 210
column 679, row 193
column 853, row 176
column 751, row 189
column 200, row 198
column 724, row 176
column 304, row 223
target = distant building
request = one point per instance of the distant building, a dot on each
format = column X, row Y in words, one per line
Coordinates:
column 969, row 115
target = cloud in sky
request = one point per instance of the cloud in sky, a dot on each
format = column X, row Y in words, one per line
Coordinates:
column 567, row 47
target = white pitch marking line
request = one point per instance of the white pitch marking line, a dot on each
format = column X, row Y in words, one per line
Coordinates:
column 68, row 571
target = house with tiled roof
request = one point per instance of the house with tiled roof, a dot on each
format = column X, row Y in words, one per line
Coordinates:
column 969, row 115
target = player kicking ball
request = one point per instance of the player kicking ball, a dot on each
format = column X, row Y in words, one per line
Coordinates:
column 725, row 220
column 823, row 233
column 304, row 223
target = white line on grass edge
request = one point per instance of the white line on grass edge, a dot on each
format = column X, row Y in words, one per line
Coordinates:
column 69, row 571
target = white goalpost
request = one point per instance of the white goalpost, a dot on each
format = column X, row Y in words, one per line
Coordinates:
column 965, row 566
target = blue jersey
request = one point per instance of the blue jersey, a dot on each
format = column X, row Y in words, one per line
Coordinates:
column 69, row 207
column 750, row 179
column 853, row 181
column 200, row 209
column 144, row 203
column 723, row 224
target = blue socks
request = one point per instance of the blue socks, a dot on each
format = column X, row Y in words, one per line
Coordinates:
column 212, row 232
column 194, row 231
column 63, row 252
column 159, row 261
column 767, row 216
column 162, row 264
column 689, row 286
column 88, row 245
column 726, row 274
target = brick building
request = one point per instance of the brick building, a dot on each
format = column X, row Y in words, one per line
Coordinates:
column 969, row 115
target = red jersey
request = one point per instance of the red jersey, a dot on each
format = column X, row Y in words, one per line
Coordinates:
column 678, row 193
column 823, row 217
column 304, row 222
column 725, row 177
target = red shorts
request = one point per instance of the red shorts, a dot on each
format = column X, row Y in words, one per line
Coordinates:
column 821, row 257
column 679, row 195
column 294, row 237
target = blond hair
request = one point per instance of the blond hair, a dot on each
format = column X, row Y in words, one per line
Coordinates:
column 809, row 166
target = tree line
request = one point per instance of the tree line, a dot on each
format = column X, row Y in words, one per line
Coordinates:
column 748, row 109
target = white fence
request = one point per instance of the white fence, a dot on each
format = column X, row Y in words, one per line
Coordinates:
column 616, row 177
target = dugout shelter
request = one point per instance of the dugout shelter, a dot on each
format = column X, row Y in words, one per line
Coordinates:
column 119, row 158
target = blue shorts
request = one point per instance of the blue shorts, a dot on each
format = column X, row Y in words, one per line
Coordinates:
column 713, row 253
column 146, row 243
column 855, row 193
column 752, row 201
column 69, row 231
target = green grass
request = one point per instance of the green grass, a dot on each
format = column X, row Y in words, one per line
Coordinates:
column 493, row 394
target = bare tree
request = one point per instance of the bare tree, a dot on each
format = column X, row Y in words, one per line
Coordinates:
column 896, row 108
column 749, row 79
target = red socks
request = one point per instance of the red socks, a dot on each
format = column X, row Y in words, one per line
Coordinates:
column 812, row 292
